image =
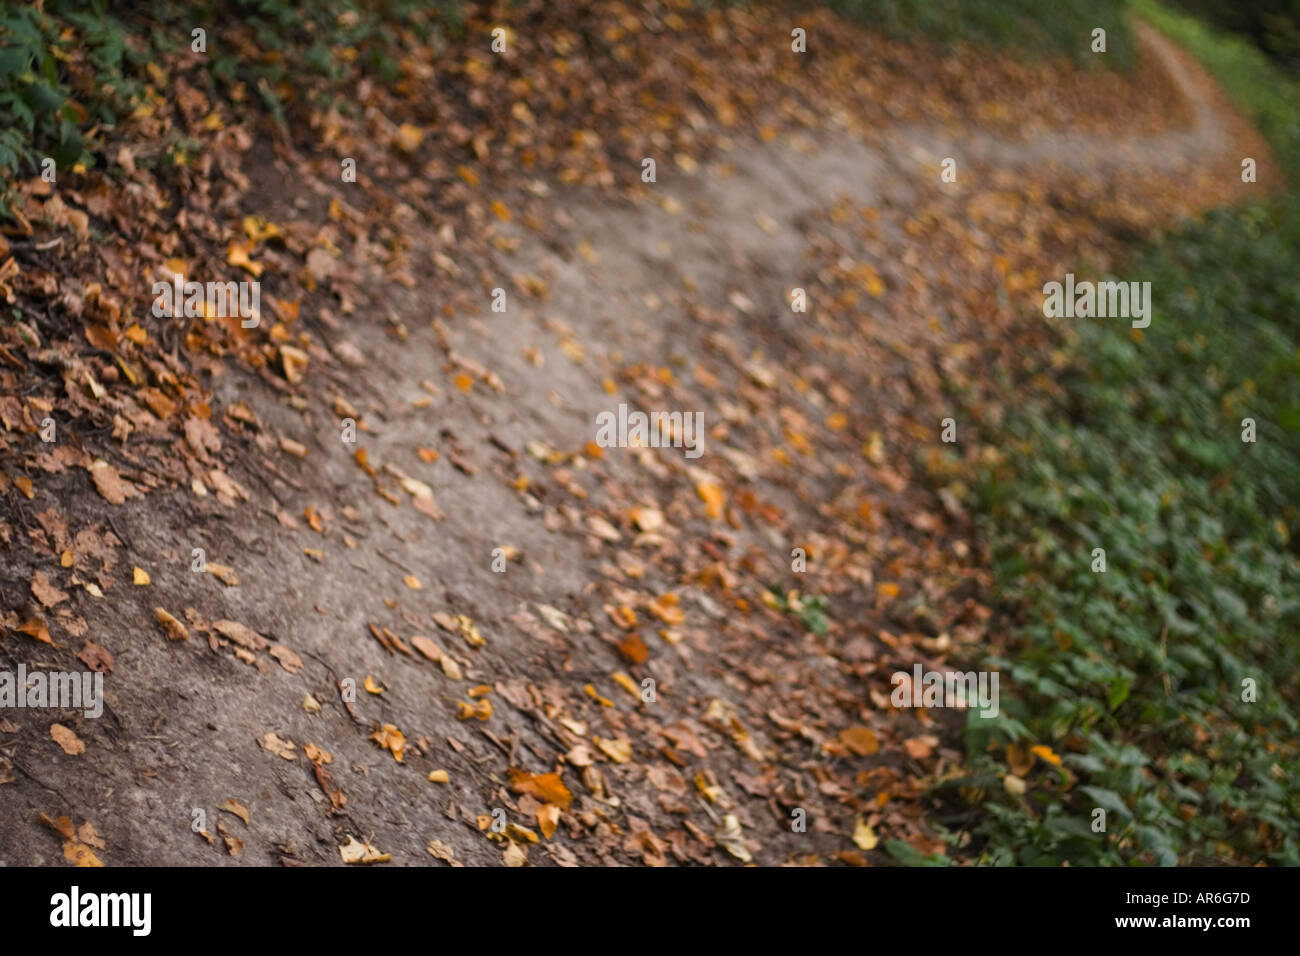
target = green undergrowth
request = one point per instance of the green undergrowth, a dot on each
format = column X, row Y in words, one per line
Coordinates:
column 1165, row 688
column 70, row 70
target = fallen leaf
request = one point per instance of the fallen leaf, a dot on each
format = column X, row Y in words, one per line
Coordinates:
column 357, row 851
column 713, row 497
column 618, row 750
column 728, row 836
column 548, row 819
column 864, row 836
column 234, row 807
column 45, row 592
column 861, row 740
column 174, row 629
column 391, row 739
column 440, row 851
column 547, row 787
column 278, row 745
column 65, row 738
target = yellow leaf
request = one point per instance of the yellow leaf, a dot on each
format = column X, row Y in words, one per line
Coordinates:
column 409, row 137
column 548, row 819
column 864, row 836
column 391, row 739
column 80, row 854
column 515, row 855
column 469, row 631
column 713, row 497
column 1047, row 754
column 665, row 608
column 355, row 851
column 237, row 255
column 548, row 787
column 861, row 740
column 520, row 834
column 618, row 750
column 626, row 682
column 140, row 576
column 259, row 230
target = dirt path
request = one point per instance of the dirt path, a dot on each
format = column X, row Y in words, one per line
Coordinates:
column 680, row 303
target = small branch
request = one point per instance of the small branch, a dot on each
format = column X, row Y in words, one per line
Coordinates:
column 37, row 246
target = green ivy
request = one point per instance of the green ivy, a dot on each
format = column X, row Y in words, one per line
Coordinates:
column 1135, row 675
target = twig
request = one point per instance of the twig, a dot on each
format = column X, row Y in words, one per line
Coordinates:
column 393, row 561
column 37, row 246
column 117, row 531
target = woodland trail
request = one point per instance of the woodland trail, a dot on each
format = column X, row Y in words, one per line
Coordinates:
column 626, row 565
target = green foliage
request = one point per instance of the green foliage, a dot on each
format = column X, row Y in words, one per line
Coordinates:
column 314, row 47
column 908, row 855
column 1061, row 28
column 1136, row 674
column 812, row 612
column 1272, row 101
column 42, row 115
column 1272, row 25
column 71, row 66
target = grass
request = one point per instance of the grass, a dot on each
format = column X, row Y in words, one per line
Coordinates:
column 1270, row 98
column 1168, row 686
column 1061, row 28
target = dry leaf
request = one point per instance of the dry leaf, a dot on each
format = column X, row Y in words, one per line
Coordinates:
column 65, row 738
column 174, row 629
column 278, row 745
column 357, row 851
column 234, row 807
column 864, row 836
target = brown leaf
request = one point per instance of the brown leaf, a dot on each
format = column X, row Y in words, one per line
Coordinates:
column 861, row 740
column 242, row 635
column 546, row 787
column 223, row 573
column 233, row 806
column 65, row 738
column 45, row 592
column 289, row 660
column 95, row 657
column 174, row 629
column 278, row 745
column 111, row 486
